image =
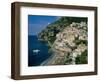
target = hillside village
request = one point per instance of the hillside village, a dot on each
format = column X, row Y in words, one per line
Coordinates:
column 68, row 44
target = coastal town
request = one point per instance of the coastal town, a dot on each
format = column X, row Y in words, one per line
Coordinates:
column 70, row 45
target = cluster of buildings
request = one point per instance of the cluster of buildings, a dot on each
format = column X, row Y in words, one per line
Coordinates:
column 65, row 42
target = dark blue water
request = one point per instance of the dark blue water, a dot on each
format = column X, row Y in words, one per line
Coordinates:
column 35, row 59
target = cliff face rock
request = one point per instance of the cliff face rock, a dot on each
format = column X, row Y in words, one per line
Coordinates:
column 69, row 44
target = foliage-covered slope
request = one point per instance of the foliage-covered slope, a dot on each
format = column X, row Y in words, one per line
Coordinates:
column 49, row 33
column 67, row 38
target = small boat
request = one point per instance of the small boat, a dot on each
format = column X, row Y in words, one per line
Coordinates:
column 36, row 51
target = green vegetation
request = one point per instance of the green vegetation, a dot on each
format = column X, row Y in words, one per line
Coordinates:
column 82, row 59
column 77, row 41
column 49, row 33
column 71, row 43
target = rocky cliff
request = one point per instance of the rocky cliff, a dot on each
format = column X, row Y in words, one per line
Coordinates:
column 67, row 39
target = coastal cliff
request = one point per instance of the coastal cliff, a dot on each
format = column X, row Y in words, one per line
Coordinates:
column 67, row 39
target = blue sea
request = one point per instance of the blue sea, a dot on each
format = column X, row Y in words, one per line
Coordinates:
column 37, row 51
